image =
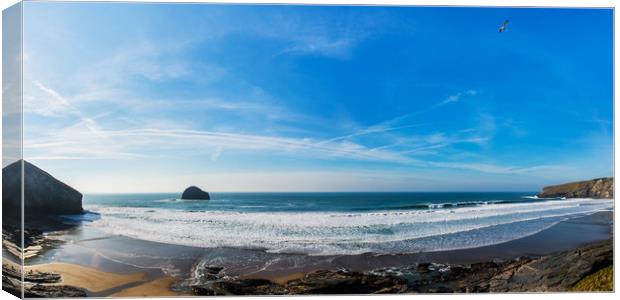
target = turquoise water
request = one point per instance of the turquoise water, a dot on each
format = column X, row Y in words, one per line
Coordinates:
column 334, row 223
column 310, row 202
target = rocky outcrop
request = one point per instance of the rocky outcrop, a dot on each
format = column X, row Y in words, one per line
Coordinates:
column 595, row 188
column 313, row 283
column 37, row 284
column 34, row 240
column 43, row 194
column 552, row 273
column 346, row 282
column 195, row 193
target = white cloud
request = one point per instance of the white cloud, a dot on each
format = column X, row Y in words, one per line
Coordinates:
column 217, row 153
column 457, row 97
column 130, row 144
column 495, row 169
column 321, row 45
column 57, row 105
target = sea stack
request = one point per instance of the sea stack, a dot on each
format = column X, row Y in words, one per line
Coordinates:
column 43, row 194
column 195, row 193
column 595, row 188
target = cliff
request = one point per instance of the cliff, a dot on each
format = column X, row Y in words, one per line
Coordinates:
column 595, row 188
column 43, row 194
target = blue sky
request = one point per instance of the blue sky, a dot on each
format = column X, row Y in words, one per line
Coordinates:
column 153, row 98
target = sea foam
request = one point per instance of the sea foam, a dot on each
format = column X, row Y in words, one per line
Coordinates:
column 328, row 233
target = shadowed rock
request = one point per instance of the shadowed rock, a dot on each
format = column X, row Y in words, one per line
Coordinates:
column 346, row 282
column 195, row 193
column 43, row 194
column 317, row 282
column 595, row 188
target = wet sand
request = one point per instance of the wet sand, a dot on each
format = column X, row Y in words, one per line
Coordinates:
column 90, row 279
column 565, row 235
column 157, row 287
column 122, row 266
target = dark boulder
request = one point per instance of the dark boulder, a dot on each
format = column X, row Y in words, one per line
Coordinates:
column 43, row 194
column 195, row 193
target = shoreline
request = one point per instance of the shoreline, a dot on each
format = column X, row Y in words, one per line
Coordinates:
column 590, row 228
column 114, row 256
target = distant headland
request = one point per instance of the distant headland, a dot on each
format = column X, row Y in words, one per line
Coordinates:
column 596, row 188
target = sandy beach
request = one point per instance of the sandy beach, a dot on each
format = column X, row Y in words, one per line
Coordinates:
column 100, row 283
column 157, row 287
column 88, row 278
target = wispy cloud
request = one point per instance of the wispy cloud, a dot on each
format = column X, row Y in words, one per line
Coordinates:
column 375, row 129
column 56, row 104
column 130, row 144
column 86, row 138
column 321, row 45
column 421, row 144
column 122, row 143
column 495, row 169
column 457, row 97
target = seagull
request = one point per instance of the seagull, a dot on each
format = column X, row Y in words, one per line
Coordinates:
column 504, row 26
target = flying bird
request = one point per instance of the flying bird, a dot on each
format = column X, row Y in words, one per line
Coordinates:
column 504, row 26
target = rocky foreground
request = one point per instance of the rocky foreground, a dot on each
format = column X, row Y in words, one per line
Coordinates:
column 36, row 284
column 552, row 273
column 595, row 188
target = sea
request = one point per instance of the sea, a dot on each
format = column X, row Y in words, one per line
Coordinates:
column 322, row 224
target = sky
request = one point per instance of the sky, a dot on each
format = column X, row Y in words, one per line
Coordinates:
column 122, row 98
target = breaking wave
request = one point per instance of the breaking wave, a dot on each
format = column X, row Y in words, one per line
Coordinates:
column 392, row 230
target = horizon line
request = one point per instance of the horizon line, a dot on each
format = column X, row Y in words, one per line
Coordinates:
column 313, row 192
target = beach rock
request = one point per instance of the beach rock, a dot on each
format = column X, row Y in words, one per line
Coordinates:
column 213, row 269
column 43, row 194
column 54, row 291
column 211, row 273
column 248, row 287
column 317, row 282
column 11, row 285
column 595, row 188
column 346, row 282
column 423, row 267
column 195, row 193
column 551, row 273
column 37, row 284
